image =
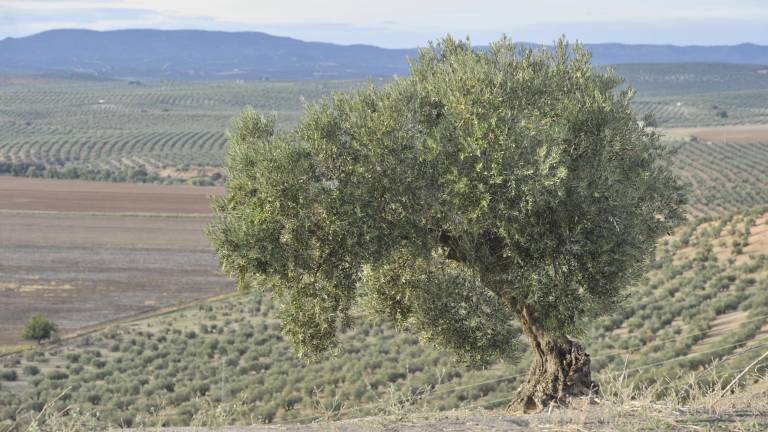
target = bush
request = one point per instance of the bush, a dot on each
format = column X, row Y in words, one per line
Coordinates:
column 9, row 375
column 92, row 398
column 57, row 375
column 31, row 370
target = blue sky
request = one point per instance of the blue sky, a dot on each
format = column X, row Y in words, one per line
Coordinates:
column 408, row 23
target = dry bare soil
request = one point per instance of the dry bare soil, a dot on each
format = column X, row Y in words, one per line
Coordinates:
column 30, row 194
column 86, row 253
column 743, row 133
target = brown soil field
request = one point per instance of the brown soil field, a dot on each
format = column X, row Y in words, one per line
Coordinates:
column 85, row 253
column 79, row 270
column 747, row 133
column 21, row 193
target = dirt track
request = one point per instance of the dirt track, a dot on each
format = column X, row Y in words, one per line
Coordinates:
column 21, row 193
column 747, row 133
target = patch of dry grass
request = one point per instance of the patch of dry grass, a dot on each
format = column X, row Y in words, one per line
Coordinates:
column 694, row 405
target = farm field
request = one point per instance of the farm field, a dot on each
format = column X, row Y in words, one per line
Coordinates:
column 722, row 177
column 707, row 109
column 664, row 79
column 699, row 315
column 86, row 253
column 101, row 259
column 741, row 134
column 29, row 194
column 174, row 132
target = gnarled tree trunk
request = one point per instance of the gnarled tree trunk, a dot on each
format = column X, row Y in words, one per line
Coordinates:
column 559, row 370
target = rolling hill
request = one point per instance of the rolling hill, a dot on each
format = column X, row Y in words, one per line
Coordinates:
column 195, row 54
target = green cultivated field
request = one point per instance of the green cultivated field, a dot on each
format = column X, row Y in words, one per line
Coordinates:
column 723, row 177
column 708, row 109
column 700, row 94
column 163, row 128
column 694, row 78
column 172, row 131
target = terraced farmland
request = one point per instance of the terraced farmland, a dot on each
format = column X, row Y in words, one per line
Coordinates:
column 164, row 128
column 699, row 315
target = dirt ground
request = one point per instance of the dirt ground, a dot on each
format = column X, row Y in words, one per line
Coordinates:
column 21, row 193
column 64, row 255
column 624, row 419
column 747, row 133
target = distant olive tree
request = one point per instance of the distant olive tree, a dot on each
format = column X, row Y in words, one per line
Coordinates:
column 38, row 329
column 489, row 193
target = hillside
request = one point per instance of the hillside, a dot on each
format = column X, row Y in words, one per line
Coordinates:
column 194, row 54
column 699, row 315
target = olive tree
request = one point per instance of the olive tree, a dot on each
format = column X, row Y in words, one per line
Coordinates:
column 489, row 194
column 38, row 329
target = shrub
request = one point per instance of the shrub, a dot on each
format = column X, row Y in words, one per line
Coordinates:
column 31, row 370
column 55, row 375
column 93, row 398
column 9, row 375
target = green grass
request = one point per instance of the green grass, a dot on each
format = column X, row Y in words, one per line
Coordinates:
column 230, row 355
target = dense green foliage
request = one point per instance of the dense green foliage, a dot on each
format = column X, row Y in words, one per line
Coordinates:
column 484, row 185
column 38, row 329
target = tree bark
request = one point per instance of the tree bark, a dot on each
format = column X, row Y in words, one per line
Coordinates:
column 559, row 370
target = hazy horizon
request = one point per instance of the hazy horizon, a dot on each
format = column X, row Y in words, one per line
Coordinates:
column 685, row 22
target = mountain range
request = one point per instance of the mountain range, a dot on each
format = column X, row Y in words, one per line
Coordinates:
column 197, row 54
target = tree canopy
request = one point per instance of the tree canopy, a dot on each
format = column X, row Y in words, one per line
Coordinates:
column 486, row 186
column 38, row 329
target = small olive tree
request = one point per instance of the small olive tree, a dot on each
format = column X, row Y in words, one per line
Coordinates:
column 488, row 193
column 38, row 329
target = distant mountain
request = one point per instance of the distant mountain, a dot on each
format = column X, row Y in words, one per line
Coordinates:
column 612, row 53
column 195, row 54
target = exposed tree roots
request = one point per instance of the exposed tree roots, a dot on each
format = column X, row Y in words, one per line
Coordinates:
column 559, row 371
